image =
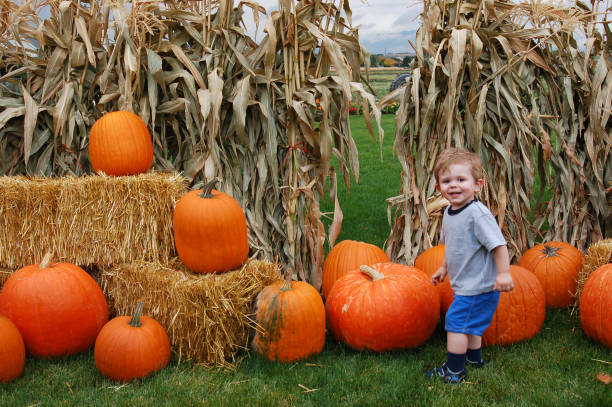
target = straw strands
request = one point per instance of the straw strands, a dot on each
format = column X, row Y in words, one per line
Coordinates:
column 217, row 103
column 207, row 317
column 88, row 220
column 597, row 255
column 510, row 82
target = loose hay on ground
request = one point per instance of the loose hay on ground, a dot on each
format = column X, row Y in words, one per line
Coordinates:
column 207, row 317
column 88, row 220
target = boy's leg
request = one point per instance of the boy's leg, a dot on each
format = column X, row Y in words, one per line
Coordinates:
column 474, row 351
column 456, row 347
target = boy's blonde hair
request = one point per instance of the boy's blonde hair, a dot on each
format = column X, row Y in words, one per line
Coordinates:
column 452, row 156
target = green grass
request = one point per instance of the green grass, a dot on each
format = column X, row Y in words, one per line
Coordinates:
column 556, row 368
column 381, row 78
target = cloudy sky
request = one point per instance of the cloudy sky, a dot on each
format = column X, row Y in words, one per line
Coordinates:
column 384, row 25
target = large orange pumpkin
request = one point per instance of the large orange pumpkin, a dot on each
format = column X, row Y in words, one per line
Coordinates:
column 12, row 351
column 520, row 312
column 596, row 306
column 129, row 348
column 58, row 308
column 120, row 144
column 291, row 319
column 210, row 231
column 556, row 264
column 347, row 256
column 382, row 307
column 430, row 261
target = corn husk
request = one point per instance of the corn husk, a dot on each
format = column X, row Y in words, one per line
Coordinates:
column 265, row 116
column 207, row 317
column 510, row 82
column 88, row 220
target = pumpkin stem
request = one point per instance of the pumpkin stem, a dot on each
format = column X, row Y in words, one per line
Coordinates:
column 46, row 261
column 135, row 321
column 550, row 251
column 207, row 189
column 374, row 274
column 287, row 284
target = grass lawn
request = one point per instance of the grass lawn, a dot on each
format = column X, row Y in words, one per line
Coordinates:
column 556, row 368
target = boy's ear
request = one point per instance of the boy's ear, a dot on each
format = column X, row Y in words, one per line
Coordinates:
column 479, row 184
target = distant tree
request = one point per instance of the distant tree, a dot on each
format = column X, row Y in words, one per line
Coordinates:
column 373, row 60
column 389, row 62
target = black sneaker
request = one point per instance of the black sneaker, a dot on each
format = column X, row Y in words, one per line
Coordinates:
column 449, row 377
column 476, row 365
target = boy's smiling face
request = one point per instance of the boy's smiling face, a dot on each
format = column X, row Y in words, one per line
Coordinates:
column 457, row 184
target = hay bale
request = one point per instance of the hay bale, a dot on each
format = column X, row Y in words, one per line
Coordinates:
column 88, row 220
column 207, row 317
column 4, row 275
column 598, row 254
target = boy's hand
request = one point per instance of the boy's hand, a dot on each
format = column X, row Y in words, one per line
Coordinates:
column 438, row 276
column 504, row 282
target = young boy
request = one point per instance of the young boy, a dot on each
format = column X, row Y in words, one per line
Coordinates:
column 476, row 260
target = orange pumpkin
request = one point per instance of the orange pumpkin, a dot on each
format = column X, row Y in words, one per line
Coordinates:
column 12, row 351
column 347, row 256
column 129, row 348
column 556, row 264
column 520, row 312
column 382, row 307
column 291, row 318
column 120, row 144
column 210, row 231
column 430, row 261
column 596, row 306
column 58, row 308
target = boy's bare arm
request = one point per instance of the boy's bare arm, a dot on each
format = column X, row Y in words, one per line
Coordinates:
column 503, row 281
column 439, row 275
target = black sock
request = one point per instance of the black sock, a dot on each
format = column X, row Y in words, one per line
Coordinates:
column 474, row 355
column 455, row 362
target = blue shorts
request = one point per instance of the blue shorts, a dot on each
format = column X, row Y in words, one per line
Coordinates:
column 472, row 314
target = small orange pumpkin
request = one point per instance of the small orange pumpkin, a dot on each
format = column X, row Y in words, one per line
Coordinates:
column 57, row 307
column 556, row 264
column 210, row 231
column 596, row 306
column 520, row 312
column 291, row 316
column 129, row 348
column 382, row 307
column 430, row 261
column 120, row 144
column 347, row 256
column 12, row 351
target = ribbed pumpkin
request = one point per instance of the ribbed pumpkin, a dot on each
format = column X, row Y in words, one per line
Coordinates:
column 210, row 231
column 58, row 308
column 556, row 264
column 291, row 319
column 347, row 256
column 596, row 306
column 129, row 348
column 520, row 312
column 120, row 144
column 430, row 261
column 382, row 307
column 12, row 351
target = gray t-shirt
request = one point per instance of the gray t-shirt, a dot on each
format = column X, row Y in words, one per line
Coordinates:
column 470, row 234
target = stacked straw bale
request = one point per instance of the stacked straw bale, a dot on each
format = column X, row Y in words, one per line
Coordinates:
column 207, row 317
column 88, row 220
column 598, row 254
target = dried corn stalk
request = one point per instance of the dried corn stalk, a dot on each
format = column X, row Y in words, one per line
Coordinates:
column 509, row 82
column 217, row 103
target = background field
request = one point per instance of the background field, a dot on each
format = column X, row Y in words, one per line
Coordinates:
column 556, row 368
